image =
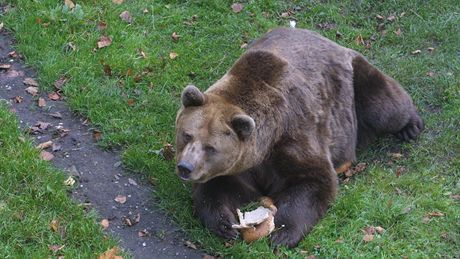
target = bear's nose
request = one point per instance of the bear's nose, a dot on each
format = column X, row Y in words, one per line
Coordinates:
column 185, row 168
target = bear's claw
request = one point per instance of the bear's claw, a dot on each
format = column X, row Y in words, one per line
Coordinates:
column 412, row 129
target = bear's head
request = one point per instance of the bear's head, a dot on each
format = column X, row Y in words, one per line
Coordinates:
column 211, row 136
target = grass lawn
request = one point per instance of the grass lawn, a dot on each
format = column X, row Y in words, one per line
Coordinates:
column 130, row 90
column 36, row 214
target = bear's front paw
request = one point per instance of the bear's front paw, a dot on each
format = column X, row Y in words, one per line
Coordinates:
column 220, row 222
column 287, row 236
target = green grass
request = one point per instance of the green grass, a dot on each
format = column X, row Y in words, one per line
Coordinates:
column 207, row 47
column 32, row 195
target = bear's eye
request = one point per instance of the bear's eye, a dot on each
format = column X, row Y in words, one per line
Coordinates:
column 187, row 137
column 210, row 149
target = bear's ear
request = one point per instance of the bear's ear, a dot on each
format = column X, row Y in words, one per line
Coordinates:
column 259, row 64
column 243, row 125
column 191, row 96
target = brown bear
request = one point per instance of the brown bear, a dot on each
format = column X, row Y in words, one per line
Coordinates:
column 293, row 107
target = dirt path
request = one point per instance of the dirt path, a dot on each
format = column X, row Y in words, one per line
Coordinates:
column 99, row 174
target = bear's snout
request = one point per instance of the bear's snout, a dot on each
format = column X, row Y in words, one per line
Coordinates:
column 185, row 169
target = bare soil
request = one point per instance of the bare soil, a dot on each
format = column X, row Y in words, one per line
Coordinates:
column 99, row 174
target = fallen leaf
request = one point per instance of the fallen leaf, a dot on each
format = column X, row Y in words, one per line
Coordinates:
column 398, row 32
column 339, row 241
column 18, row 99
column 359, row 40
column 415, row 52
column 400, row 170
column 60, row 82
column 126, row 16
column 369, row 230
column 131, row 102
column 167, row 152
column 55, row 248
column 69, row 181
column 142, row 54
column 191, row 245
column 56, row 115
column 175, row 37
column 430, row 73
column 101, row 25
column 13, row 54
column 368, row 238
column 45, row 145
column 55, row 147
column 111, row 253
column 391, row 18
column 5, row 66
column 32, row 90
column 311, row 257
column 286, row 14
column 97, row 135
column 117, row 1
column 430, row 49
column 54, row 225
column 107, row 70
column 237, row 7
column 338, row 35
column 455, row 197
column 379, row 17
column 396, row 156
column 436, row 214
column 13, row 73
column 105, row 223
column 379, row 229
column 137, row 218
column 244, row 45
column 145, row 11
column 69, row 4
column 42, row 125
column 173, row 55
column 143, row 233
column 45, row 155
column 444, row 235
column 206, row 256
column 132, row 182
column 359, row 168
column 426, row 220
column 54, row 96
column 120, row 199
column 38, row 20
column 127, row 221
column 30, row 81
column 103, row 42
column 41, row 102
column 1, row 26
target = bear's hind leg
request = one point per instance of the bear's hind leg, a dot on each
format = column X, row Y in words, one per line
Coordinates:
column 382, row 105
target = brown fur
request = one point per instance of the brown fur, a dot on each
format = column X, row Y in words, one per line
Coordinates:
column 292, row 108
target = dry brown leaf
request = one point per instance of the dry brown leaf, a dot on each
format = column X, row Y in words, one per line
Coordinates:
column 32, row 90
column 117, row 1
column 168, row 151
column 105, row 223
column 137, row 218
column 400, row 170
column 42, row 125
column 1, row 26
column 368, row 238
column 69, row 4
column 430, row 73
column 379, row 17
column 359, row 168
column 430, row 49
column 55, row 248
column 175, row 37
column 30, row 81
column 398, row 32
column 126, row 16
column 391, row 18
column 369, row 230
column 54, row 96
column 120, row 199
column 60, row 82
column 132, row 182
column 173, row 55
column 18, row 99
column 415, row 52
column 103, row 42
column 13, row 54
column 436, row 214
column 56, row 115
column 14, row 73
column 142, row 54
column 101, row 25
column 131, row 102
column 379, row 229
column 145, row 11
column 339, row 241
column 244, row 45
column 97, row 135
column 54, row 225
column 455, row 197
column 143, row 233
column 55, row 147
column 396, row 156
column 359, row 40
column 41, row 102
column 237, row 7
column 107, row 70
column 5, row 66
column 191, row 245
column 45, row 145
column 111, row 253
column 45, row 155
